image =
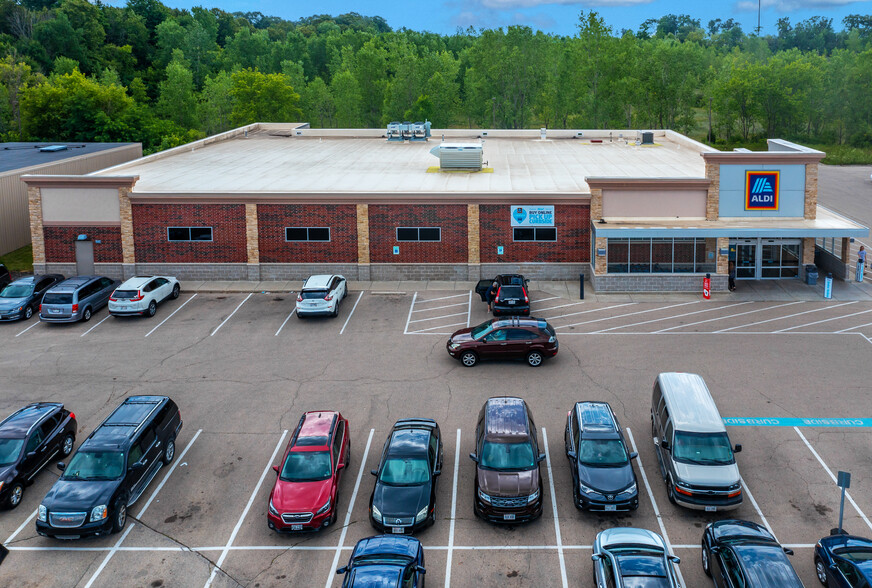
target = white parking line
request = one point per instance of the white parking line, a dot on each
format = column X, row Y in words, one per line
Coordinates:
column 823, row 321
column 551, row 318
column 423, row 331
column 778, row 318
column 423, row 301
column 832, row 476
column 720, row 318
column 230, row 315
column 654, row 503
column 408, row 318
column 285, row 322
column 20, row 529
column 438, row 307
column 756, row 506
column 436, row 318
column 453, row 512
column 171, row 315
column 853, row 328
column 28, row 328
column 117, row 545
column 554, row 508
column 95, row 326
column 266, row 470
column 332, row 572
column 617, row 316
column 666, row 318
column 351, row 313
column 540, row 300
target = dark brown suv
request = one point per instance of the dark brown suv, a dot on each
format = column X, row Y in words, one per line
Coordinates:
column 507, row 477
column 514, row 337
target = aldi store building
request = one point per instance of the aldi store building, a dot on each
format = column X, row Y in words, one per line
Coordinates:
column 282, row 201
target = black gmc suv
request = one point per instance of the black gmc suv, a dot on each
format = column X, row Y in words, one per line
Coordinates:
column 111, row 469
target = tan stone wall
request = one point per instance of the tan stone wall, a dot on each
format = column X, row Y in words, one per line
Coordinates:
column 596, row 204
column 811, row 190
column 846, row 250
column 473, row 233
column 252, row 245
column 807, row 251
column 128, row 252
column 723, row 266
column 601, row 261
column 712, row 203
column 37, row 238
column 362, row 233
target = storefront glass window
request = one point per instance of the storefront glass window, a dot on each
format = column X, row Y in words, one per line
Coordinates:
column 618, row 254
column 683, row 256
column 661, row 256
column 640, row 256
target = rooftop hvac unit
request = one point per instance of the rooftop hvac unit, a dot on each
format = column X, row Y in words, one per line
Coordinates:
column 408, row 131
column 647, row 138
column 53, row 148
column 467, row 156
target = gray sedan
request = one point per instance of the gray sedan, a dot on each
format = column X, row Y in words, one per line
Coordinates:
column 625, row 557
column 21, row 298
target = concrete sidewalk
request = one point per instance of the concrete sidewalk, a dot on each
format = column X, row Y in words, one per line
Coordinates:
column 763, row 290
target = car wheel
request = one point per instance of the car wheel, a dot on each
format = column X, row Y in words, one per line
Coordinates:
column 67, row 445
column 15, row 494
column 706, row 564
column 534, row 358
column 300, row 316
column 152, row 309
column 169, row 451
column 469, row 358
column 119, row 518
column 575, row 497
column 28, row 312
column 86, row 315
column 820, row 570
column 176, row 291
column 670, row 492
column 336, row 310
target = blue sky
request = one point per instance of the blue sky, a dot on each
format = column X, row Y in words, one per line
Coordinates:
column 554, row 16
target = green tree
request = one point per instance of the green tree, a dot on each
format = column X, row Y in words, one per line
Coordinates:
column 260, row 97
column 317, row 104
column 216, row 103
column 176, row 101
column 347, row 100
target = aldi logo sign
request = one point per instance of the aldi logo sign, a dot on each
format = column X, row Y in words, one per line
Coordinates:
column 761, row 190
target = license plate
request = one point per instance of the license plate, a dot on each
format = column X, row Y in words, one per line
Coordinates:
column 508, row 517
column 54, row 310
column 68, row 537
column 711, row 509
column 512, row 302
column 296, row 527
column 611, row 508
column 397, row 530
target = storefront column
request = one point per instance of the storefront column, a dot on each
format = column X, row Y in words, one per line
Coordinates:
column 723, row 266
column 713, row 197
column 601, row 262
column 363, row 242
column 811, row 190
column 807, row 255
column 128, row 251
column 252, row 243
column 473, row 235
column 846, row 254
column 37, row 237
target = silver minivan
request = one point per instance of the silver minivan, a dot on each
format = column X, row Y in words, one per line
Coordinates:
column 76, row 299
column 697, row 461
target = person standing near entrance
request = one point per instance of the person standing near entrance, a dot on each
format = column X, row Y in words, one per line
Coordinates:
column 491, row 294
column 732, row 275
column 861, row 262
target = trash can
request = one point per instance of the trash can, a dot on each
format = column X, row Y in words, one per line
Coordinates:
column 811, row 275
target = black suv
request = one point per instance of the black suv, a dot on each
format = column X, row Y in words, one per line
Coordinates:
column 602, row 472
column 512, row 297
column 743, row 553
column 404, row 496
column 29, row 439
column 5, row 276
column 111, row 469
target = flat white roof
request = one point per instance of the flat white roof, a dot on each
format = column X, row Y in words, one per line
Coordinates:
column 268, row 160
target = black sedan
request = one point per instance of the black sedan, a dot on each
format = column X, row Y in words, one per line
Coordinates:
column 29, row 439
column 385, row 561
column 741, row 553
column 843, row 561
column 404, row 496
column 21, row 298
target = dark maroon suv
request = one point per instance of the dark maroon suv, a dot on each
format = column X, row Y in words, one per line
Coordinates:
column 514, row 337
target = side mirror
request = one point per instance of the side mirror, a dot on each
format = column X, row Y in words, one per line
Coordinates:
column 137, row 466
column 596, row 556
column 633, row 455
column 61, row 465
column 30, row 455
column 373, row 472
column 714, row 549
column 341, row 466
column 276, row 469
column 675, row 559
column 421, row 569
column 342, row 570
column 571, row 454
column 788, row 551
column 541, row 458
column 473, row 457
column 437, row 472
column 664, row 444
column 737, row 448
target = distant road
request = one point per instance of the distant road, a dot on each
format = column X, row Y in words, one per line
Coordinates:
column 847, row 189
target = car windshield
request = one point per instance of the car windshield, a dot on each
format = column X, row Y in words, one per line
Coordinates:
column 482, row 329
column 17, row 291
column 405, row 471
column 124, row 294
column 58, row 298
column 95, row 465
column 10, row 449
column 642, row 567
column 382, row 559
column 703, row 448
column 313, row 294
column 767, row 565
column 306, row 466
column 602, row 452
column 507, row 456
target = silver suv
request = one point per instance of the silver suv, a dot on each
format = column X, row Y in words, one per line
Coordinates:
column 76, row 299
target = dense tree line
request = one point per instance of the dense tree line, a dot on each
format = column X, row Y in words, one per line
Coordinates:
column 76, row 70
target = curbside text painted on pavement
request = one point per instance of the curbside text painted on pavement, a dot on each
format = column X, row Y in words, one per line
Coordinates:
column 796, row 422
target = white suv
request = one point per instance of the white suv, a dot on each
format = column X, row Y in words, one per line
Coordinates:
column 141, row 295
column 321, row 295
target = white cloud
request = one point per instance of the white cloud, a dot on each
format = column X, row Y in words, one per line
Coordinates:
column 791, row 5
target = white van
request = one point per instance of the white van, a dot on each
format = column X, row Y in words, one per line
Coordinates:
column 696, row 458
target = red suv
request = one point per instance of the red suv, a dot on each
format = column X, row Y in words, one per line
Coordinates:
column 305, row 492
column 515, row 337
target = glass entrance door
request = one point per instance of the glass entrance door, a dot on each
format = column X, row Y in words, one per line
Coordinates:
column 758, row 259
column 746, row 259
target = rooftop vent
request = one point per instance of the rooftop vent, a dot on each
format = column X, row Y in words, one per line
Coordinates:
column 466, row 156
column 647, row 138
column 409, row 131
column 52, row 148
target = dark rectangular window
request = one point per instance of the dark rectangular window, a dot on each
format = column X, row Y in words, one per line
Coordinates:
column 189, row 233
column 307, row 233
column 419, row 234
column 534, row 234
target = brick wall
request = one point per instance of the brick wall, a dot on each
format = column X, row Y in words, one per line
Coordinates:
column 383, row 223
column 150, row 222
column 341, row 218
column 60, row 243
column 573, row 236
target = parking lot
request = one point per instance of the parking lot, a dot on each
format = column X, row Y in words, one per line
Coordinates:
column 242, row 367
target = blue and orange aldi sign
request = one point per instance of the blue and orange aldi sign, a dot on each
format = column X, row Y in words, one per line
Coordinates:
column 761, row 190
